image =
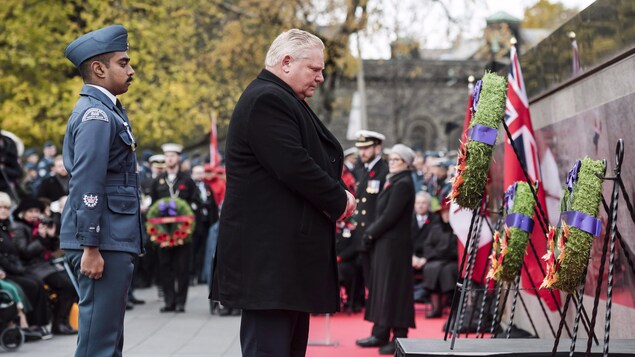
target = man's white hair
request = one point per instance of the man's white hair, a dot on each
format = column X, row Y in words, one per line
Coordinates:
column 293, row 42
column 423, row 194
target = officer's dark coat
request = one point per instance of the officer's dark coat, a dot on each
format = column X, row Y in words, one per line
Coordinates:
column 366, row 196
column 276, row 244
column 184, row 186
column 390, row 301
column 103, row 208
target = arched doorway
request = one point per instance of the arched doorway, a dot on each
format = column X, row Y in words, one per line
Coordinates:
column 422, row 134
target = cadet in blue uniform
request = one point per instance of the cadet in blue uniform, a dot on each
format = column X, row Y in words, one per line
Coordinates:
column 101, row 224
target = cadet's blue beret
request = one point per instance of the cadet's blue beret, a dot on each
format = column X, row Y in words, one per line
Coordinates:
column 108, row 39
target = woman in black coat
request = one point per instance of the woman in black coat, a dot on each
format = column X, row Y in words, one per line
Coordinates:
column 390, row 302
column 440, row 268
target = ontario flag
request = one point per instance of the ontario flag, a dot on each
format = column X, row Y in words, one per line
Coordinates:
column 518, row 120
column 460, row 219
column 214, row 157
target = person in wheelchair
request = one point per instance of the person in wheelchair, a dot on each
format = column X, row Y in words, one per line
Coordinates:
column 36, row 302
column 37, row 242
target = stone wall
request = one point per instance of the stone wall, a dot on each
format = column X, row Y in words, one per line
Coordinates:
column 410, row 101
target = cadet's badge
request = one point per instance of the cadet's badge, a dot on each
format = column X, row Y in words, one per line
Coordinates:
column 90, row 200
column 373, row 186
column 95, row 114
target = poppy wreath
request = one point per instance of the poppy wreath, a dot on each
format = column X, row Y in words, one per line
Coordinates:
column 488, row 107
column 569, row 245
column 170, row 222
column 509, row 250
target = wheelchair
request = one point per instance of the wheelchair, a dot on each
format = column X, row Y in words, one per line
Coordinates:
column 11, row 336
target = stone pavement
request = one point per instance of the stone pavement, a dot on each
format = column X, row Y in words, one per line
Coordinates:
column 148, row 333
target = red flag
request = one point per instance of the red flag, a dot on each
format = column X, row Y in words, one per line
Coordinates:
column 214, row 157
column 460, row 219
column 518, row 120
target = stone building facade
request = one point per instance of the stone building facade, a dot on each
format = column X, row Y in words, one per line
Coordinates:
column 418, row 102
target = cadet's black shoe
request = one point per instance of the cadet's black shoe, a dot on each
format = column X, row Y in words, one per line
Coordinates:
column 371, row 341
column 167, row 309
column 180, row 308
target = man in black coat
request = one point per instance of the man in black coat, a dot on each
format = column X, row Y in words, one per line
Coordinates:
column 276, row 244
column 422, row 220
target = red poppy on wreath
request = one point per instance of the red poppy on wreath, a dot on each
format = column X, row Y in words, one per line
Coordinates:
column 372, row 174
column 427, row 220
column 170, row 230
column 181, row 187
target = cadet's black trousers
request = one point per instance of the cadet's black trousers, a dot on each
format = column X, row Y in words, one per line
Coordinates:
column 274, row 333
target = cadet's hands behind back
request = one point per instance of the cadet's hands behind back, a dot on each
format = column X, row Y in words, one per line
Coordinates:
column 92, row 264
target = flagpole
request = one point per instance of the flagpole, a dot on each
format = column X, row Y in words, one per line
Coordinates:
column 213, row 137
column 361, row 86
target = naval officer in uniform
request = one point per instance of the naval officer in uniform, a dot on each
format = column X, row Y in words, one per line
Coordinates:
column 101, row 223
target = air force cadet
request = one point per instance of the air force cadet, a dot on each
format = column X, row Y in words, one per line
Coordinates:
column 101, row 224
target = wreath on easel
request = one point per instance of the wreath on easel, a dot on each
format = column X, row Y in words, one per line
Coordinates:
column 569, row 245
column 170, row 222
column 508, row 251
column 488, row 107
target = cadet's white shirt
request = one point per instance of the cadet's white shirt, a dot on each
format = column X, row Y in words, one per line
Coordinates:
column 106, row 92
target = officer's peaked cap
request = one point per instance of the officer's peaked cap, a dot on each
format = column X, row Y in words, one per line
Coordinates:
column 108, row 39
column 171, row 147
column 367, row 138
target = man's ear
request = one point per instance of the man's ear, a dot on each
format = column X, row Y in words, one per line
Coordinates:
column 98, row 69
column 286, row 63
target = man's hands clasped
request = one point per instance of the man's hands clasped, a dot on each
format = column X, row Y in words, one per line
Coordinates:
column 350, row 206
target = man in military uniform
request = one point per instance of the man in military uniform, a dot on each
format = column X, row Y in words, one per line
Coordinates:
column 174, row 262
column 101, row 223
column 372, row 177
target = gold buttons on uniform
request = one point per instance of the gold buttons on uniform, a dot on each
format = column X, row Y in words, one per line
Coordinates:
column 363, row 212
column 363, row 199
column 356, row 212
column 363, row 224
column 357, row 200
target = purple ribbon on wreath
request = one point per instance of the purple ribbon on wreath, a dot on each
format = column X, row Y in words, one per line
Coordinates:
column 520, row 221
column 572, row 177
column 509, row 197
column 476, row 95
column 483, row 134
column 167, row 209
column 582, row 221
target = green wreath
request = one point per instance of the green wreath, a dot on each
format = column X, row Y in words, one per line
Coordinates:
column 569, row 245
column 509, row 250
column 170, row 222
column 475, row 154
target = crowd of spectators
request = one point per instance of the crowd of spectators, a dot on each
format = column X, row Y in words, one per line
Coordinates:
column 33, row 191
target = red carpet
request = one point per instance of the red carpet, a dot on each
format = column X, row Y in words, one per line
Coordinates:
column 345, row 329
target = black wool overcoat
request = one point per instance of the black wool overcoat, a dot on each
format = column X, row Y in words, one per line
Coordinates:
column 391, row 302
column 276, row 244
